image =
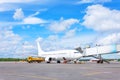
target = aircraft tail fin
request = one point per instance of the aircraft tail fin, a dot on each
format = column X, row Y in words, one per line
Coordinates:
column 40, row 51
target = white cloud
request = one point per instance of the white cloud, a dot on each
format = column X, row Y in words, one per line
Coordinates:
column 19, row 14
column 22, row 19
column 39, row 39
column 55, row 42
column 100, row 18
column 15, row 1
column 9, row 23
column 110, row 39
column 28, row 49
column 92, row 1
column 8, row 5
column 62, row 25
column 26, row 1
column 33, row 20
column 11, row 44
column 8, row 40
column 38, row 12
column 26, row 27
column 53, row 37
column 70, row 33
column 85, row 1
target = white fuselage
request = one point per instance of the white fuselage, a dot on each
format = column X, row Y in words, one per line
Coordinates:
column 58, row 55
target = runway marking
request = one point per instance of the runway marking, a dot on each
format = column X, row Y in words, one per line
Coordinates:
column 95, row 73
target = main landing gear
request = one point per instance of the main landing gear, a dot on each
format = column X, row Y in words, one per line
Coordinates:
column 101, row 60
column 58, row 61
column 65, row 60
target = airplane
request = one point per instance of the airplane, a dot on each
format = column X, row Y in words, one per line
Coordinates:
column 74, row 55
column 65, row 55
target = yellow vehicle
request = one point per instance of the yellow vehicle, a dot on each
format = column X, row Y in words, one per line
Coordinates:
column 31, row 59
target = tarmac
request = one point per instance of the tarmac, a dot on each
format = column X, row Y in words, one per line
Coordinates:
column 43, row 71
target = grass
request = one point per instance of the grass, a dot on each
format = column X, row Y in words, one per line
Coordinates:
column 12, row 59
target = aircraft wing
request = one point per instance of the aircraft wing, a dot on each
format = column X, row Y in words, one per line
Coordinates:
column 102, row 50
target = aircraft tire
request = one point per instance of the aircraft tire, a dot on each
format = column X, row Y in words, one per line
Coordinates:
column 58, row 61
column 98, row 61
column 48, row 61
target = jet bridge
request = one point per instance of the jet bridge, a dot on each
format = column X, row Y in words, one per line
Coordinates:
column 99, row 50
column 102, row 50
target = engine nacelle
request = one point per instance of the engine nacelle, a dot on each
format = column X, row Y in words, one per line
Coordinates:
column 48, row 59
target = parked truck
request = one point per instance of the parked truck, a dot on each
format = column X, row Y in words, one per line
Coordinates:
column 32, row 59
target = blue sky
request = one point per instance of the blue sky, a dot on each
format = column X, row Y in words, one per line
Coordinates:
column 59, row 24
